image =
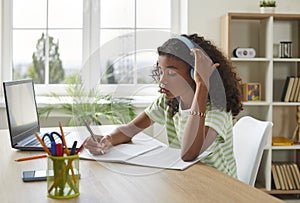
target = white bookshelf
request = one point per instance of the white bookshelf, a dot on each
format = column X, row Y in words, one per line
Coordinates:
column 263, row 32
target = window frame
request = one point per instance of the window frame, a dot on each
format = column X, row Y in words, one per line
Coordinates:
column 90, row 36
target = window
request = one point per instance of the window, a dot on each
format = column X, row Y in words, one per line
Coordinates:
column 132, row 31
column 103, row 41
column 54, row 25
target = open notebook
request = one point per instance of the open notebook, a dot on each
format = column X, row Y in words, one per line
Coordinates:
column 145, row 151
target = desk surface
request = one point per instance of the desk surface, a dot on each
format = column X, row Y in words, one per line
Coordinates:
column 104, row 182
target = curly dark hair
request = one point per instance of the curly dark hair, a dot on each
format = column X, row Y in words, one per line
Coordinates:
column 226, row 71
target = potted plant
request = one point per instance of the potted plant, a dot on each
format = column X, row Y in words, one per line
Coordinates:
column 267, row 6
column 92, row 106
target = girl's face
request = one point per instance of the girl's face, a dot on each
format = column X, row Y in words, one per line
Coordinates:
column 175, row 79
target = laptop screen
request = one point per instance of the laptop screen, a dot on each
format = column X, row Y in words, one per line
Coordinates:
column 21, row 109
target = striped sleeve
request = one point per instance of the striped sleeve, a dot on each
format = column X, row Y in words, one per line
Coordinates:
column 217, row 120
column 222, row 157
column 157, row 110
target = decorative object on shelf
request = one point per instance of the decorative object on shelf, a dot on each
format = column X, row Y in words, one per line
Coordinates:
column 296, row 134
column 267, row 6
column 244, row 52
column 285, row 49
column 251, row 91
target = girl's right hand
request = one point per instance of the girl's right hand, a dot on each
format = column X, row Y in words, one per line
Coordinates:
column 106, row 144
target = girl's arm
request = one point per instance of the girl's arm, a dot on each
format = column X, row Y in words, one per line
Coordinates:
column 120, row 135
column 198, row 137
column 125, row 133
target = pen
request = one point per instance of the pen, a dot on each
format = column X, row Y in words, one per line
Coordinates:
column 32, row 157
column 92, row 133
column 73, row 149
column 90, row 130
column 43, row 144
column 63, row 139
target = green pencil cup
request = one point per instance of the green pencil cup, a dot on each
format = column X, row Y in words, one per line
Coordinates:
column 63, row 176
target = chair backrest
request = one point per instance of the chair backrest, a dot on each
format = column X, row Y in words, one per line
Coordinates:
column 249, row 139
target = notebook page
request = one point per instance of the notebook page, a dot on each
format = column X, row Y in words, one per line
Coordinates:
column 165, row 157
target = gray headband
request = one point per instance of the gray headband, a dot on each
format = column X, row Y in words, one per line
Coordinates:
column 180, row 47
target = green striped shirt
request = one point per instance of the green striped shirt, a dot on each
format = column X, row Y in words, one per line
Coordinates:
column 221, row 149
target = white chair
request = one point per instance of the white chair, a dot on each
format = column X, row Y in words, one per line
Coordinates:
column 249, row 139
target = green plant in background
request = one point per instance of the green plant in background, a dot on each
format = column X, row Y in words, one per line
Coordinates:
column 267, row 3
column 36, row 70
column 92, row 106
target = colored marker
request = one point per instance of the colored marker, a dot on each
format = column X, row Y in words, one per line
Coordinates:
column 53, row 148
column 59, row 149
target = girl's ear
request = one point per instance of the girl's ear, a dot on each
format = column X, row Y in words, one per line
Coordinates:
column 216, row 65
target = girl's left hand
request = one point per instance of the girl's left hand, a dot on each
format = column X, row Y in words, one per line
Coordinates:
column 204, row 67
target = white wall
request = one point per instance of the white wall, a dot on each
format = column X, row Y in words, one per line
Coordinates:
column 204, row 16
column 1, row 17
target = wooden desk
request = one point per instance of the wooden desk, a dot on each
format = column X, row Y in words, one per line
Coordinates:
column 102, row 183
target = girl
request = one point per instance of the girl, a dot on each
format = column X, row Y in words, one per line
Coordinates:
column 200, row 96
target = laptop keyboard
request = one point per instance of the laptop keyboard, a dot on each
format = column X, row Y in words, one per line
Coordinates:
column 34, row 142
column 47, row 142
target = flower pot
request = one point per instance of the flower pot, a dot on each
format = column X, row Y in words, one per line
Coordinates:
column 267, row 9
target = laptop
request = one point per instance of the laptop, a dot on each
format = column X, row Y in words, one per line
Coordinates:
column 22, row 117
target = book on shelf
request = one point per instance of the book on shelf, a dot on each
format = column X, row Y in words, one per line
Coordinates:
column 286, row 176
column 287, row 89
column 286, row 84
column 298, row 98
column 296, row 169
column 280, row 177
column 295, row 176
column 289, row 179
column 290, row 176
column 281, row 141
column 291, row 89
column 275, row 177
column 297, row 91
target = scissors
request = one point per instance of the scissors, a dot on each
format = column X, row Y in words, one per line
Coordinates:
column 54, row 146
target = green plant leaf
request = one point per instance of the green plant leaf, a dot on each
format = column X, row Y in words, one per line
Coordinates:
column 92, row 106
